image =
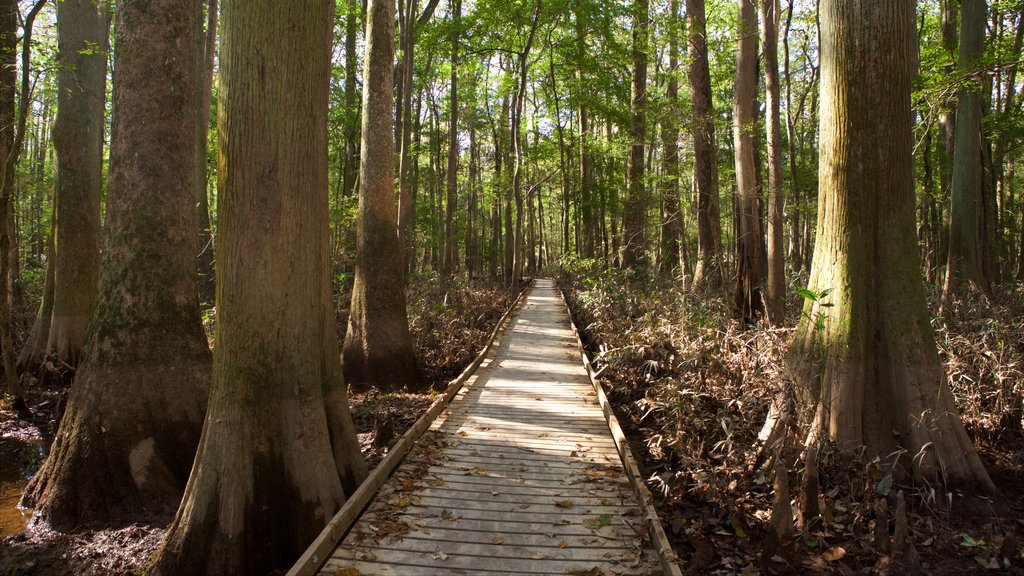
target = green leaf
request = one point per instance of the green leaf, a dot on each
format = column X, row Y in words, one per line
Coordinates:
column 884, row 485
column 970, row 542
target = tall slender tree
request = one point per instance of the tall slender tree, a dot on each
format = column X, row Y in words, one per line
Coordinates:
column 451, row 190
column 709, row 270
column 868, row 362
column 775, row 304
column 378, row 348
column 672, row 220
column 749, row 236
column 636, row 201
column 113, row 460
column 279, row 453
column 967, row 226
column 205, row 58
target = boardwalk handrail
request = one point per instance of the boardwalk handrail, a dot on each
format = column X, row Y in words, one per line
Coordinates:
column 667, row 557
column 320, row 549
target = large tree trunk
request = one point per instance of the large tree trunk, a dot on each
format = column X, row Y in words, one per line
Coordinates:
column 82, row 25
column 205, row 58
column 378, row 348
column 636, row 201
column 114, row 460
column 451, row 259
column 708, row 273
column 749, row 237
column 9, row 17
column 776, row 303
column 967, row 231
column 279, row 454
column 868, row 363
column 672, row 219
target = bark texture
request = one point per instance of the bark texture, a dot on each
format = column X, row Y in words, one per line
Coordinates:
column 279, row 454
column 111, row 460
column 868, row 364
column 378, row 348
column 672, row 217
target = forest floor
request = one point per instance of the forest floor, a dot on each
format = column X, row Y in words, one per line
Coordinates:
column 692, row 388
column 449, row 323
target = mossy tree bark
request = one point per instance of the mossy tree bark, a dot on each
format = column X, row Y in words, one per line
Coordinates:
column 518, row 108
column 635, row 210
column 378, row 347
column 279, row 453
column 111, row 460
column 708, row 273
column 868, row 364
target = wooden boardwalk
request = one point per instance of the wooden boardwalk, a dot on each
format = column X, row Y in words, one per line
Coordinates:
column 519, row 475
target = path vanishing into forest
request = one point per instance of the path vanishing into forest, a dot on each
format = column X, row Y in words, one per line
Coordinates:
column 520, row 474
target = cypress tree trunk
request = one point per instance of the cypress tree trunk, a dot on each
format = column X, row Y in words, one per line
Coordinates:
column 964, row 266
column 114, row 460
column 279, row 454
column 78, row 141
column 378, row 348
column 709, row 271
column 749, row 237
column 775, row 304
column 868, row 364
column 636, row 201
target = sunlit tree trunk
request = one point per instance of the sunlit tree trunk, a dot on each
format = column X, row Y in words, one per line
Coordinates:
column 378, row 348
column 868, row 362
column 708, row 273
column 128, row 436
column 749, row 236
column 279, row 453
column 775, row 304
column 636, row 201
column 82, row 31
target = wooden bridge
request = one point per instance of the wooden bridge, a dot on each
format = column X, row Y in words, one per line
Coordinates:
column 519, row 468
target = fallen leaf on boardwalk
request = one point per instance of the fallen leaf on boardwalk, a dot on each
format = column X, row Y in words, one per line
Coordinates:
column 463, row 433
column 574, row 454
column 497, row 540
column 542, row 435
column 563, row 503
column 494, row 492
column 437, row 482
column 449, row 515
column 834, row 553
column 440, row 555
column 537, row 398
column 562, row 544
column 348, row 571
column 477, row 471
column 524, row 506
column 537, row 555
